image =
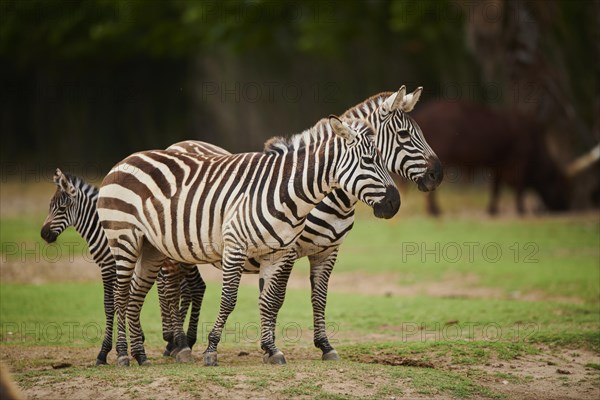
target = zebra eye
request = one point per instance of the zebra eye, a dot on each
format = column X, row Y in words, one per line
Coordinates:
column 404, row 134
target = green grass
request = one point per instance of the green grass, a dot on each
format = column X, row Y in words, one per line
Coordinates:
column 40, row 318
column 557, row 256
column 553, row 255
column 21, row 240
column 367, row 329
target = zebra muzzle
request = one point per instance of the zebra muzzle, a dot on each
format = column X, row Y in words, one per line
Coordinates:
column 432, row 177
column 389, row 206
column 48, row 235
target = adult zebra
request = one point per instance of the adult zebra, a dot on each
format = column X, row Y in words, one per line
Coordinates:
column 404, row 151
column 208, row 209
column 74, row 204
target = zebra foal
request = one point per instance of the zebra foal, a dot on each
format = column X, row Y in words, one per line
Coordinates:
column 224, row 209
column 74, row 204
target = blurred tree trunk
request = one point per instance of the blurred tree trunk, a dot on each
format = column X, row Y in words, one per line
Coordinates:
column 525, row 48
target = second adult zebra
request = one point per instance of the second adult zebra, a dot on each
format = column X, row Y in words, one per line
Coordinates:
column 209, row 209
column 405, row 152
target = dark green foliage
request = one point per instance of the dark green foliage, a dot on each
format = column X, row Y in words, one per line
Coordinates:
column 113, row 77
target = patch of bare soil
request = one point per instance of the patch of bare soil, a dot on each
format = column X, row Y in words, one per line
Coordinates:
column 395, row 361
column 81, row 269
column 451, row 286
column 85, row 388
column 59, row 383
column 78, row 270
column 554, row 374
column 23, row 198
column 32, row 367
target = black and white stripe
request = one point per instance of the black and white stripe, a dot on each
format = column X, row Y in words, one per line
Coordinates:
column 404, row 151
column 179, row 288
column 208, row 209
column 74, row 204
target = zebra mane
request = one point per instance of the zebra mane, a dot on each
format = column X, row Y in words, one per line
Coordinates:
column 282, row 145
column 276, row 145
column 319, row 132
column 81, row 185
column 365, row 108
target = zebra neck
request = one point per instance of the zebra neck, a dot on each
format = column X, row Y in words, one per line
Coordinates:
column 87, row 223
column 309, row 175
column 338, row 203
column 365, row 109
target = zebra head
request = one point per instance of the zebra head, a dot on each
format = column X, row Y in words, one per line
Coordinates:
column 360, row 170
column 401, row 141
column 63, row 204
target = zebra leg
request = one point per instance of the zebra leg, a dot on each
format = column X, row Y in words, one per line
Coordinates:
column 180, row 301
column 197, row 289
column 274, row 280
column 125, row 269
column 165, row 316
column 169, row 279
column 181, row 350
column 233, row 265
column 321, row 265
column 185, row 291
column 145, row 274
column 109, row 277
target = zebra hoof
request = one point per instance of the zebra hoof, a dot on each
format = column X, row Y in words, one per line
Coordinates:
column 175, row 351
column 210, row 359
column 184, row 356
column 145, row 363
column 142, row 359
column 331, row 356
column 276, row 359
column 123, row 361
column 100, row 362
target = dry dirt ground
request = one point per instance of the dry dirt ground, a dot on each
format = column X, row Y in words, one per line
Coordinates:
column 459, row 286
column 549, row 375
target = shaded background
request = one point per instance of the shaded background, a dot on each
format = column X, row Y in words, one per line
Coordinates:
column 85, row 83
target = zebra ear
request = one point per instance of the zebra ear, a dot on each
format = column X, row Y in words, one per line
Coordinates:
column 397, row 104
column 57, row 174
column 409, row 101
column 341, row 129
column 395, row 100
column 63, row 183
